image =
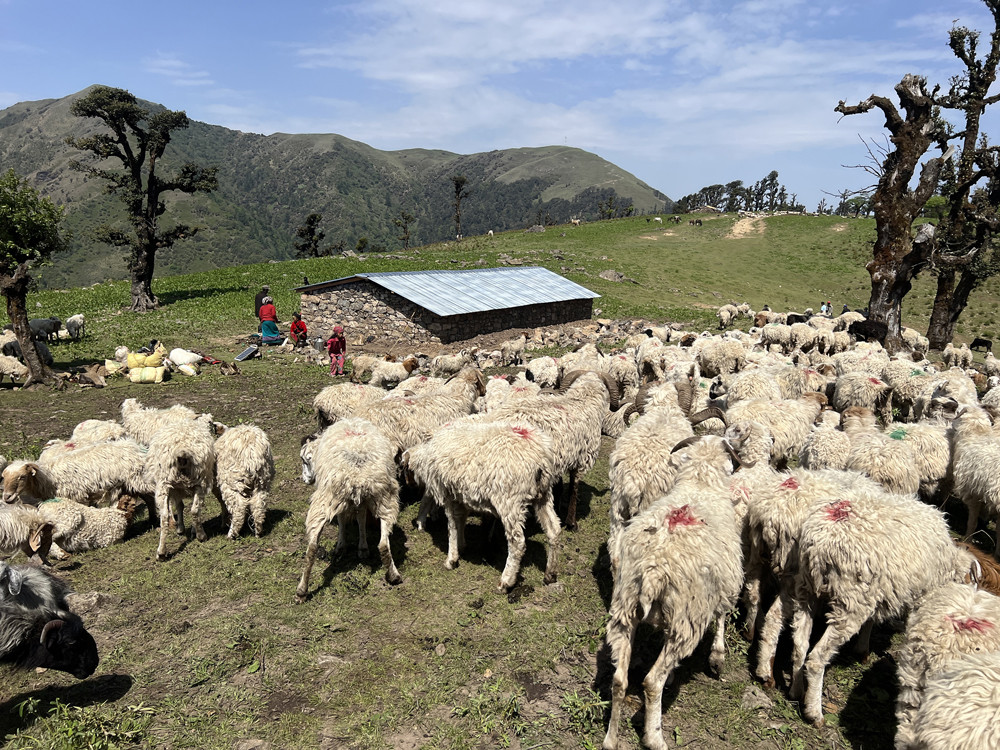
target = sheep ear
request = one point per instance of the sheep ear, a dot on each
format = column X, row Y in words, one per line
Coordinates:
column 976, row 573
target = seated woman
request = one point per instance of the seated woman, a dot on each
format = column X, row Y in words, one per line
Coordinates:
column 269, row 323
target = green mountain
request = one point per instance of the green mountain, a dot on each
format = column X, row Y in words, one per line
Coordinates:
column 269, row 184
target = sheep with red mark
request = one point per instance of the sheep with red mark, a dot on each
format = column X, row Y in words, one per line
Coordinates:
column 498, row 467
column 354, row 469
column 849, row 559
column 342, row 400
column 954, row 620
column 681, row 570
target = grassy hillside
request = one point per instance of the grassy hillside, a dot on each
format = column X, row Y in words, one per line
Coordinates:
column 269, row 184
column 207, row 650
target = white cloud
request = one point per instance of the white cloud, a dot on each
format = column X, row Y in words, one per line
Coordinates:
column 176, row 71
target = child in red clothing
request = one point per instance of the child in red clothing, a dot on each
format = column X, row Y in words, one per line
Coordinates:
column 298, row 330
column 336, row 345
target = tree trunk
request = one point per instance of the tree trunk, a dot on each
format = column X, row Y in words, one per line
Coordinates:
column 949, row 304
column 141, row 269
column 15, row 290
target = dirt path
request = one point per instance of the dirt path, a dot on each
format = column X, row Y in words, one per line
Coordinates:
column 746, row 226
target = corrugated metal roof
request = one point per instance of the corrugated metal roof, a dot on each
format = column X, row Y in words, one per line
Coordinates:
column 472, row 290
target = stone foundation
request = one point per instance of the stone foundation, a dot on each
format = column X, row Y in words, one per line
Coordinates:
column 364, row 307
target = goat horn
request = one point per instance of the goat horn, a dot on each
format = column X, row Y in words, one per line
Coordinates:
column 686, row 442
column 737, row 464
column 708, row 413
column 50, row 627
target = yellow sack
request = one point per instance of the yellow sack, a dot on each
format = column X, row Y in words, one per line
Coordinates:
column 188, row 369
column 147, row 360
column 135, row 360
column 113, row 367
column 147, row 374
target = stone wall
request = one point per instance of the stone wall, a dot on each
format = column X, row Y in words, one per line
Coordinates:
column 361, row 306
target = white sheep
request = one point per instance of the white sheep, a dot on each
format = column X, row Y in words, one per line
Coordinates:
column 77, row 326
column 23, row 529
column 960, row 706
column 91, row 431
column 353, row 465
column 546, row 371
column 827, row 447
column 446, row 365
column 244, row 469
column 789, row 421
column 141, row 423
column 392, row 372
column 952, row 621
column 726, row 315
column 180, row 463
column 879, row 456
column 12, row 368
column 720, row 357
column 991, row 365
column 976, row 471
column 342, row 400
column 869, row 556
column 78, row 528
column 512, row 351
column 681, row 569
column 494, row 467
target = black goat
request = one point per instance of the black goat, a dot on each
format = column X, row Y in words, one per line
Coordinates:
column 868, row 330
column 36, row 627
column 981, row 345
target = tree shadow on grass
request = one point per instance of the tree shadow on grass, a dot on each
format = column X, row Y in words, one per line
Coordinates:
column 180, row 295
column 106, row 688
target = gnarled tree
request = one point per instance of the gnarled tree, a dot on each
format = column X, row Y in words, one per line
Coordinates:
column 138, row 140
column 964, row 250
column 29, row 234
column 896, row 259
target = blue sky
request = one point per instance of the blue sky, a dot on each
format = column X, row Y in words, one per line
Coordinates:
column 682, row 94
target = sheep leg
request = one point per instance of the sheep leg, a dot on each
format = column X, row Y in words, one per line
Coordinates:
column 196, row 507
column 833, row 638
column 802, row 623
column 574, row 485
column 391, row 573
column 619, row 639
column 451, row 512
column 363, row 551
column 316, row 520
column 426, row 504
column 751, row 593
column 717, row 658
column 863, row 645
column 662, row 668
column 163, row 508
column 258, row 506
column 545, row 512
column 774, row 620
column 238, row 516
column 514, row 529
column 338, row 548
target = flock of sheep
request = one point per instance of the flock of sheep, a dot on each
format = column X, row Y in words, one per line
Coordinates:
column 703, row 507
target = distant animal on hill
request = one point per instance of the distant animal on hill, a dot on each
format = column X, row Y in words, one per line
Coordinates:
column 981, row 345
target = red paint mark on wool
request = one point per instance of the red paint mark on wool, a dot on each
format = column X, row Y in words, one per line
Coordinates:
column 969, row 623
column 352, row 433
column 409, row 401
column 70, row 446
column 838, row 511
column 740, row 489
column 810, row 372
column 522, row 431
column 789, row 484
column 681, row 516
column 874, row 381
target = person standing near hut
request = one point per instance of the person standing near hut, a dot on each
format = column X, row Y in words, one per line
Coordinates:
column 336, row 346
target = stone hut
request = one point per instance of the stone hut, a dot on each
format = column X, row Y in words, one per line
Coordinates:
column 444, row 306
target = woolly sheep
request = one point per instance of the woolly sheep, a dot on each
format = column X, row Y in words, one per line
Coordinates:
column 826, row 447
column 392, row 372
column 976, row 471
column 681, row 569
column 991, row 365
column 180, row 462
column 496, row 467
column 446, row 365
column 879, row 456
column 78, row 528
column 726, row 315
column 342, row 400
column 789, row 421
column 512, row 351
column 546, row 371
column 141, row 423
column 355, row 472
column 37, row 628
column 960, row 706
column 952, row 621
column 91, row 431
column 363, row 364
column 76, row 325
column 721, row 357
column 849, row 552
column 244, row 469
column 12, row 368
column 22, row 529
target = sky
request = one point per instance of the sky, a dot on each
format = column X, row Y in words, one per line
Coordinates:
column 681, row 94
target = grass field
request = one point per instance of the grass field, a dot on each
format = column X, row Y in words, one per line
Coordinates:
column 207, row 650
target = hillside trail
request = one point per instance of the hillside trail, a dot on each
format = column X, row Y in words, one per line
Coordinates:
column 746, row 226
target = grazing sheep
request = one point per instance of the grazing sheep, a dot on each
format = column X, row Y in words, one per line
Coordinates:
column 342, row 400
column 47, row 328
column 849, row 553
column 826, row 447
column 512, row 351
column 77, row 326
column 392, row 372
column 861, row 389
column 180, row 462
column 789, row 421
column 244, row 468
column 721, row 357
column 726, row 315
column 355, row 472
column 495, row 467
column 952, row 621
column 446, row 365
column 881, row 457
column 680, row 570
column 546, row 371
column 91, row 431
column 78, row 528
column 37, row 628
